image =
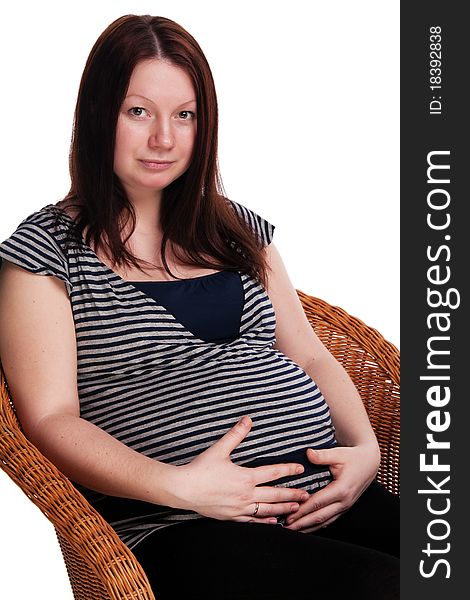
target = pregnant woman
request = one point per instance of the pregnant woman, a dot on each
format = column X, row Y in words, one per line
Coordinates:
column 165, row 365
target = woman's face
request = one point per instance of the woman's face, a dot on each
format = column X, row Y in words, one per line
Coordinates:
column 156, row 128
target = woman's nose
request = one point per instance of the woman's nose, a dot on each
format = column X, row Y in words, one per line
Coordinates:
column 161, row 135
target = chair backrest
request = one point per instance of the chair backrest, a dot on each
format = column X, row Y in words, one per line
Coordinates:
column 373, row 364
column 99, row 565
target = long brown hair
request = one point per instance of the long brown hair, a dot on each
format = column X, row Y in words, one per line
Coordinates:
column 196, row 218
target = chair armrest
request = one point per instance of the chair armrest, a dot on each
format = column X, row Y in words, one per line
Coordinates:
column 78, row 525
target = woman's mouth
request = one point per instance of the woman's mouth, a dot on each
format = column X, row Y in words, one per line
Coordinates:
column 156, row 165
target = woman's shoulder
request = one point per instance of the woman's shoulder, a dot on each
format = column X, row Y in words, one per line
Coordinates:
column 39, row 243
column 263, row 228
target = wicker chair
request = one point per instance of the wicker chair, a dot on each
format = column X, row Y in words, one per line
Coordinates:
column 373, row 364
column 99, row 565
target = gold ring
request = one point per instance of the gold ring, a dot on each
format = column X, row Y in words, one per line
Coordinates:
column 256, row 509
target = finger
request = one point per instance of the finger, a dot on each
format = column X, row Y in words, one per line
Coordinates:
column 277, row 471
column 274, row 494
column 327, row 456
column 331, row 494
column 274, row 510
column 234, row 436
column 320, row 527
column 267, row 520
column 318, row 518
column 266, row 511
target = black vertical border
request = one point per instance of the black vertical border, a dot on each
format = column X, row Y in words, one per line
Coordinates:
column 421, row 133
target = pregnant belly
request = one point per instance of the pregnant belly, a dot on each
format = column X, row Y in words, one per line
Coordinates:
column 287, row 440
column 183, row 413
column 313, row 478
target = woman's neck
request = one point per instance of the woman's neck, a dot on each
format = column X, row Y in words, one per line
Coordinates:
column 147, row 211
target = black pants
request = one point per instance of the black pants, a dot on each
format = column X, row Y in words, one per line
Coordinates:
column 354, row 558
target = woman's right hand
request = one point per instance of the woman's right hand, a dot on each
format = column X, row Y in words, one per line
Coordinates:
column 213, row 486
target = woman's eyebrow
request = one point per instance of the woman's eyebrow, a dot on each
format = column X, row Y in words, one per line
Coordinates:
column 152, row 102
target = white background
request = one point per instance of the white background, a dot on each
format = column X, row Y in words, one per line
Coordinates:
column 309, row 138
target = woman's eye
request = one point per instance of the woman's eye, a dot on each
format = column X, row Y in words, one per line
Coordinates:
column 186, row 115
column 137, row 111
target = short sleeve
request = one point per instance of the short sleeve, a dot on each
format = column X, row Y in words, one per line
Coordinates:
column 263, row 228
column 35, row 249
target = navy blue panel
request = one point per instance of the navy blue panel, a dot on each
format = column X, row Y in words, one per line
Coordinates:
column 210, row 307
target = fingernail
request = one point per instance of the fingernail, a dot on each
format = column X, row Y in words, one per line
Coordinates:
column 299, row 469
column 294, row 507
column 243, row 422
column 305, row 496
column 273, row 521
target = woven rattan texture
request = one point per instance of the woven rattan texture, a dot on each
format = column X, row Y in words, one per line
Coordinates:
column 99, row 565
column 373, row 364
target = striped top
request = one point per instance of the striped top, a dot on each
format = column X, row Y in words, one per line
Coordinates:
column 151, row 383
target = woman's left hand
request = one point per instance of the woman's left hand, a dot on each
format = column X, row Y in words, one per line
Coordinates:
column 353, row 469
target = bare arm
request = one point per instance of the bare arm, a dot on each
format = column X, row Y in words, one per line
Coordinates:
column 296, row 339
column 355, row 463
column 38, row 350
